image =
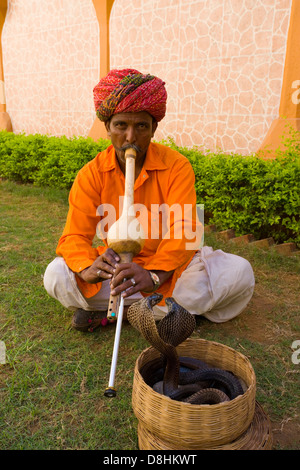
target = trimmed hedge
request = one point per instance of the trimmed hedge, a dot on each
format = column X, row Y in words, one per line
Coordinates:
column 43, row 160
column 246, row 193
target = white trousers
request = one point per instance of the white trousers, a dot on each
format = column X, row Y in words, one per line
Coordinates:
column 215, row 284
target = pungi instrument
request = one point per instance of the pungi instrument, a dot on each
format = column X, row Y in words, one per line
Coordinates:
column 125, row 237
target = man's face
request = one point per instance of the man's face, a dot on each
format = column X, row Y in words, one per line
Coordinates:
column 131, row 128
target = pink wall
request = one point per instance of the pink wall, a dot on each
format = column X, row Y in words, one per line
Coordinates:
column 222, row 61
column 51, row 55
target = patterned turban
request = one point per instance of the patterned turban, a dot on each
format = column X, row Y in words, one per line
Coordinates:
column 129, row 91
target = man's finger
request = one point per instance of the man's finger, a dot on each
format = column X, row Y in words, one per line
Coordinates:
column 111, row 257
column 103, row 274
column 119, row 276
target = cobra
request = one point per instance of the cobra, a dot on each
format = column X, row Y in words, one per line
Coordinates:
column 182, row 378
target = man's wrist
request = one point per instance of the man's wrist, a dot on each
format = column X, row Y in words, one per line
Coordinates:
column 79, row 274
column 155, row 280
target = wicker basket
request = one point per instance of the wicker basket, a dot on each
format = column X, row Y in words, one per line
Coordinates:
column 189, row 426
column 257, row 437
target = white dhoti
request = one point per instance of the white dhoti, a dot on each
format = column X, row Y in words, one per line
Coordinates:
column 216, row 285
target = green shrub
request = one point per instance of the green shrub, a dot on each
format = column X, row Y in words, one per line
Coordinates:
column 43, row 160
column 251, row 195
column 246, row 193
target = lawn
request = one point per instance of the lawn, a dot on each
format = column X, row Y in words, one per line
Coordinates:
column 52, row 384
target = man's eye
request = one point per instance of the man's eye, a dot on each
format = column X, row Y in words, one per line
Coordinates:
column 120, row 125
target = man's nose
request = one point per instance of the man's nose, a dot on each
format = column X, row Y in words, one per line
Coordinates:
column 130, row 135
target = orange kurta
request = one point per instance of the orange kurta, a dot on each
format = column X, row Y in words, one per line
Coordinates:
column 167, row 177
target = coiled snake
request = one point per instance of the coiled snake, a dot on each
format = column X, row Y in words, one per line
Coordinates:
column 183, row 378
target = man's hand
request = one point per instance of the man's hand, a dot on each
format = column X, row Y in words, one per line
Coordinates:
column 130, row 278
column 103, row 268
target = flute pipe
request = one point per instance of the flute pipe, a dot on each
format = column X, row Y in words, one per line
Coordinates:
column 122, row 247
column 130, row 155
column 110, row 391
column 113, row 303
column 129, row 180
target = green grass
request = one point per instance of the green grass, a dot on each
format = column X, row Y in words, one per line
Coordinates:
column 51, row 387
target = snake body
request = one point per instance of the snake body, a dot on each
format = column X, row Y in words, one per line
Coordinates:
column 183, row 378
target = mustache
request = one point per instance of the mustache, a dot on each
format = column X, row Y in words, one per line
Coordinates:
column 130, row 146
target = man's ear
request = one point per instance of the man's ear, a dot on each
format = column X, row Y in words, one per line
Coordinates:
column 107, row 126
column 154, row 126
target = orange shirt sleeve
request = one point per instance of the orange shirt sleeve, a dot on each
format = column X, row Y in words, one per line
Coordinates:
column 179, row 243
column 75, row 244
column 184, row 231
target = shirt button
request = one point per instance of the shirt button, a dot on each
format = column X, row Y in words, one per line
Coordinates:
column 144, row 176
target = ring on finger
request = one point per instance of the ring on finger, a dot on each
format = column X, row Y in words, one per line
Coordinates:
column 133, row 281
column 99, row 272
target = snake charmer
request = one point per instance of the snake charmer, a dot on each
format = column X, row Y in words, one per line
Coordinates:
column 207, row 282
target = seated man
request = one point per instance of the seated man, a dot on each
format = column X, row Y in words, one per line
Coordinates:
column 211, row 283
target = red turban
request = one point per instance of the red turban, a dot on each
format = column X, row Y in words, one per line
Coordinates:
column 129, row 91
